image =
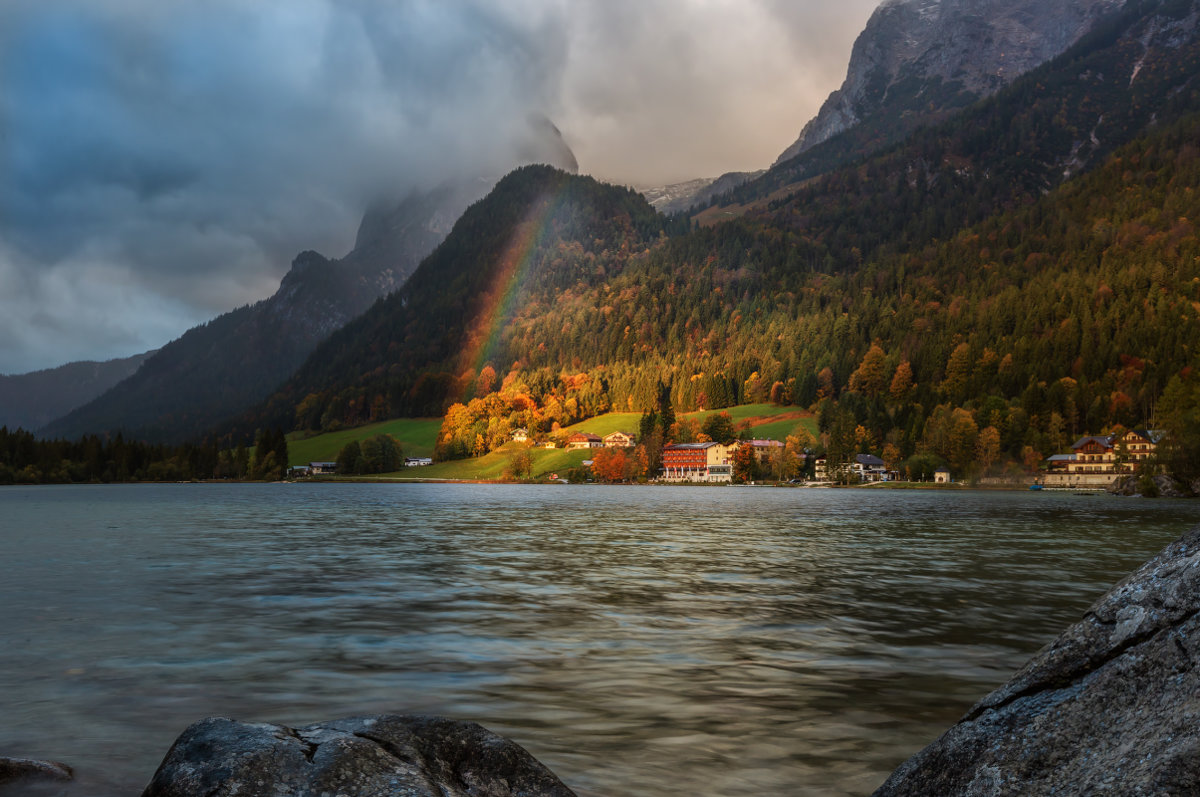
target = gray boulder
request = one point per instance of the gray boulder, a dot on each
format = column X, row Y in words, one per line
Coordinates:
column 382, row 756
column 26, row 776
column 1110, row 707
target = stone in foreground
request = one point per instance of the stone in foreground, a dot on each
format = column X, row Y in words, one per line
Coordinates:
column 31, row 777
column 382, row 756
column 1110, row 707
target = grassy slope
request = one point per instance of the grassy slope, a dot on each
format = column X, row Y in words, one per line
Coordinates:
column 491, row 466
column 765, row 420
column 547, row 461
column 416, row 435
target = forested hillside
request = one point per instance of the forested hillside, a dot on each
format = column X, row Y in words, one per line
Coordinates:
column 538, row 235
column 1022, row 274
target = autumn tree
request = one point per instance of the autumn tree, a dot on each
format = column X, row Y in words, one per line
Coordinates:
column 871, row 376
column 958, row 369
column 719, row 427
column 744, row 463
column 608, row 465
column 987, row 447
column 902, row 383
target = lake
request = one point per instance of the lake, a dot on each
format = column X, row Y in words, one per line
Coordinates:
column 638, row 640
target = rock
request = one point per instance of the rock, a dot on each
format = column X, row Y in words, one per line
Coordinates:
column 383, row 755
column 28, row 775
column 916, row 51
column 1112, row 706
column 1159, row 486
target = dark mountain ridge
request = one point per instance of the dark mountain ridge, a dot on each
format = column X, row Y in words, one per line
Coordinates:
column 220, row 368
column 30, row 401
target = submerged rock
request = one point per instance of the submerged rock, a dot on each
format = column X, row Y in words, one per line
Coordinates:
column 1112, row 706
column 27, row 776
column 379, row 756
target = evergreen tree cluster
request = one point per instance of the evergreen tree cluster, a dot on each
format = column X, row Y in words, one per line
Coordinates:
column 24, row 459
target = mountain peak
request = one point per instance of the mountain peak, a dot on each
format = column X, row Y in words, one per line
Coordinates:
column 918, row 57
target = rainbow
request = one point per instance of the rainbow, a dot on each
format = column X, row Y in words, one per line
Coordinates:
column 481, row 338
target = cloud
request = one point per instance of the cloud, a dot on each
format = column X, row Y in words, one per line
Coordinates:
column 161, row 163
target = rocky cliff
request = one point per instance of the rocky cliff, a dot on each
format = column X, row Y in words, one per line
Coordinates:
column 918, row 59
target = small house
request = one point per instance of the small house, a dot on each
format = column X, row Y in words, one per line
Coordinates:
column 941, row 476
column 584, row 440
column 322, row 468
column 618, row 440
column 520, row 435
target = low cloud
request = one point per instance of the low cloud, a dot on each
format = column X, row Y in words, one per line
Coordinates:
column 162, row 163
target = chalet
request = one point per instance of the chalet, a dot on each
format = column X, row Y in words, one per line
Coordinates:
column 1096, row 460
column 941, row 476
column 322, row 468
column 1094, row 454
column 1138, row 445
column 299, row 471
column 698, row 462
column 584, row 440
column 868, row 468
column 520, row 435
column 618, row 440
column 417, row 462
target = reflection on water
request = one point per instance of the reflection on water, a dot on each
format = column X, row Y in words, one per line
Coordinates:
column 666, row 641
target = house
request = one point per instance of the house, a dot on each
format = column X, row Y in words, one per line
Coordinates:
column 866, row 467
column 584, row 440
column 765, row 450
column 869, row 468
column 520, row 435
column 1138, row 445
column 322, row 468
column 299, row 471
column 698, row 462
column 618, row 440
column 417, row 462
column 1097, row 460
column 549, row 444
column 942, row 476
column 1094, row 454
column 1059, row 463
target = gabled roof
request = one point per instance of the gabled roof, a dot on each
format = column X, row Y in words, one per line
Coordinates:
column 1103, row 440
column 868, row 459
column 1061, row 458
column 1152, row 435
column 765, row 443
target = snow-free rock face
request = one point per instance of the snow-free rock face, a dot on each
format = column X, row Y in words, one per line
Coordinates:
column 1110, row 707
column 920, row 57
column 375, row 756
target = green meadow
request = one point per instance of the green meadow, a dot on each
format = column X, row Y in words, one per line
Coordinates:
column 418, row 435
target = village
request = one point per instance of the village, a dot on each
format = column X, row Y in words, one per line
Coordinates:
column 1094, row 462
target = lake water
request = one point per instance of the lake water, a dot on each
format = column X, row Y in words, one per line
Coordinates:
column 639, row 641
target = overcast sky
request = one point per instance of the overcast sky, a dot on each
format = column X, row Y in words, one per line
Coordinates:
column 161, row 163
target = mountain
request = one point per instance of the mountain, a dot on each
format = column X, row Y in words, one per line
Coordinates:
column 919, row 60
column 997, row 282
column 30, row 401
column 1135, row 68
column 220, row 368
column 540, row 233
column 682, row 197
